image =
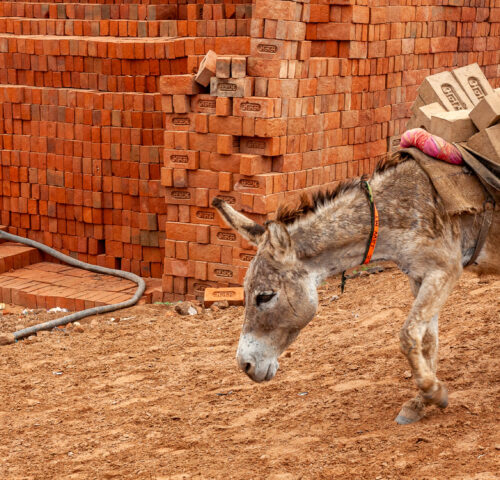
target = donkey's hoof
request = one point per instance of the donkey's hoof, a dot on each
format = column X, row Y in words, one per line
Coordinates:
column 412, row 412
column 402, row 420
column 407, row 416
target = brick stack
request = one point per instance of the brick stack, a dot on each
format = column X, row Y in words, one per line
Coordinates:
column 294, row 95
column 82, row 125
column 328, row 86
column 123, row 19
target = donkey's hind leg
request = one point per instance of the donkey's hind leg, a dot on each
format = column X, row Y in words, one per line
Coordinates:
column 419, row 342
column 414, row 409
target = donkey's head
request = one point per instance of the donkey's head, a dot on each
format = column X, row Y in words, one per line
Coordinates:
column 281, row 295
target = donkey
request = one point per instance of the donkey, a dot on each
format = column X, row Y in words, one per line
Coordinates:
column 328, row 234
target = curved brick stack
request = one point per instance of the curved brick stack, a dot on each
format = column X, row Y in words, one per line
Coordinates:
column 112, row 152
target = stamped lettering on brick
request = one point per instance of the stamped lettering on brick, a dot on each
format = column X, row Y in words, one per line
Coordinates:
column 452, row 96
column 246, row 257
column 181, row 121
column 205, row 215
column 265, row 48
column 221, row 272
column 206, row 103
column 251, row 107
column 477, row 89
column 226, row 236
column 180, row 195
column 179, row 158
column 224, row 294
column 227, row 87
column 248, row 183
column 227, row 199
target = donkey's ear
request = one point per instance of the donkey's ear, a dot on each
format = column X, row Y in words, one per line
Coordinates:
column 279, row 242
column 247, row 228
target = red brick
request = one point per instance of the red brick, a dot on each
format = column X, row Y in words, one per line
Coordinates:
column 179, row 85
column 225, row 181
column 444, row 44
column 319, row 13
column 180, row 179
column 232, row 295
column 225, row 125
column 181, row 231
column 223, row 106
column 203, row 215
column 260, row 146
column 205, row 253
column 185, row 159
column 253, row 107
column 206, row 69
column 219, row 272
column 203, row 103
column 225, row 144
column 179, row 268
column 254, row 164
column 270, row 9
column 185, row 196
column 335, row 31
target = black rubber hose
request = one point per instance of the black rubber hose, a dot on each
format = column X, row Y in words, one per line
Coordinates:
column 141, row 286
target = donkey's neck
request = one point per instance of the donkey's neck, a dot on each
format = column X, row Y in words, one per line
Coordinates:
column 335, row 237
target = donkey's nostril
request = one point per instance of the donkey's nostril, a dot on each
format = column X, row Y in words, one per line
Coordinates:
column 248, row 367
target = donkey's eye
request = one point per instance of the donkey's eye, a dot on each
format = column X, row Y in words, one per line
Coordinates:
column 264, row 297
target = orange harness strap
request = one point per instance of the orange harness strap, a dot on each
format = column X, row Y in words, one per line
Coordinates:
column 375, row 224
column 370, row 247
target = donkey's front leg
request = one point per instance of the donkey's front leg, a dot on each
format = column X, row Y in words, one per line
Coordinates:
column 419, row 341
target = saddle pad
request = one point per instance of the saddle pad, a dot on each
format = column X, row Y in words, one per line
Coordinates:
column 459, row 189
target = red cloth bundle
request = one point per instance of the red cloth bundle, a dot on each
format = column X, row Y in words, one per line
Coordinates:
column 431, row 145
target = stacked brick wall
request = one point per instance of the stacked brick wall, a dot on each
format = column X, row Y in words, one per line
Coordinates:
column 81, row 130
column 112, row 153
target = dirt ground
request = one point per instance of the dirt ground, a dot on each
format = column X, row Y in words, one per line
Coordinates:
column 158, row 396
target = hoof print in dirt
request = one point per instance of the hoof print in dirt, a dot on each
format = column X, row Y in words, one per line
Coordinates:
column 186, row 308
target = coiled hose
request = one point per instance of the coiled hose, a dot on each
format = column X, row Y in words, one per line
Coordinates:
column 141, row 286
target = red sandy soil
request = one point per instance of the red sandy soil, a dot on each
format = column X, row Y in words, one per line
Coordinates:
column 159, row 396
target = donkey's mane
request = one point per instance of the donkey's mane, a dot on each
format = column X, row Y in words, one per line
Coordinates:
column 288, row 214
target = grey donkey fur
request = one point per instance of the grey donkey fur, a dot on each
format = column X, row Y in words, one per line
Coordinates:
column 322, row 239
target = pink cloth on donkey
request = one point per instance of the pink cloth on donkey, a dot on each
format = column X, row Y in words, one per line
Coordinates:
column 431, row 145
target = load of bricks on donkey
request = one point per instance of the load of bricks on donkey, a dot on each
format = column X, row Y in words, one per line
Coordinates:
column 456, row 118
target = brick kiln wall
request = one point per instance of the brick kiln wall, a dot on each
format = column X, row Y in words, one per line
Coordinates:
column 110, row 153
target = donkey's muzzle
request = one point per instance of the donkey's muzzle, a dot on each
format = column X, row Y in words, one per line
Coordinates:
column 255, row 361
column 262, row 372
